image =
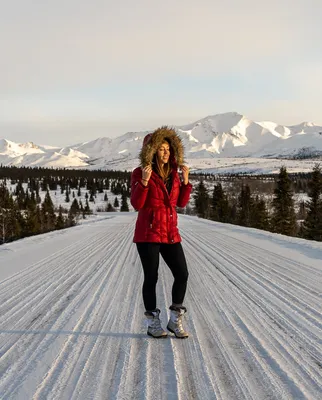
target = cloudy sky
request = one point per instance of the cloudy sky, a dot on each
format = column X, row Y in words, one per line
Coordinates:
column 75, row 70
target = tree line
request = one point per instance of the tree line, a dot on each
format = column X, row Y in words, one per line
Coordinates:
column 237, row 199
column 23, row 213
column 278, row 216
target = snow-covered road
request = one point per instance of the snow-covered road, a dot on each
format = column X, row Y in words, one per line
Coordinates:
column 72, row 327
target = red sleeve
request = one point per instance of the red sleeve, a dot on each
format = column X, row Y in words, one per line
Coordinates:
column 184, row 195
column 139, row 192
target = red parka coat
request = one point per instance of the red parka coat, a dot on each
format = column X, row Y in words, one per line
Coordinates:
column 157, row 217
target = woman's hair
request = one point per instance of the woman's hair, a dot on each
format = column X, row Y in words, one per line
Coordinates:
column 165, row 170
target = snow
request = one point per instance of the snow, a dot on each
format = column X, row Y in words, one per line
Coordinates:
column 249, row 165
column 12, row 149
column 228, row 135
column 72, row 153
column 59, row 199
column 71, row 316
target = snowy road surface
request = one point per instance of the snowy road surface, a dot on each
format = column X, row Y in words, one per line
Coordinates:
column 72, row 327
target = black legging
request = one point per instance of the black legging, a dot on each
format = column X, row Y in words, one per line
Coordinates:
column 174, row 257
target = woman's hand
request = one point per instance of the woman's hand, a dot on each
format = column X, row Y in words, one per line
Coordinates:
column 146, row 174
column 185, row 174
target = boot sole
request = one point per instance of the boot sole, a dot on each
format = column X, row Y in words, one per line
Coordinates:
column 178, row 337
column 157, row 337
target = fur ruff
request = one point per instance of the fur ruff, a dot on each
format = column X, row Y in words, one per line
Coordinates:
column 154, row 140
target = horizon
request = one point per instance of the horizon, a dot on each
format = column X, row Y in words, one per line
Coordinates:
column 102, row 69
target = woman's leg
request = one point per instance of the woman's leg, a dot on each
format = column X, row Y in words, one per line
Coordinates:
column 149, row 255
column 174, row 257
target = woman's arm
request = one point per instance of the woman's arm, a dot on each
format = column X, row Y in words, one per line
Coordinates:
column 185, row 187
column 139, row 189
column 184, row 195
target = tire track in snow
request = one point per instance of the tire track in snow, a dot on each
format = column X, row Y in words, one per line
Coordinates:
column 35, row 288
column 78, row 353
column 214, row 258
column 55, row 297
column 191, row 373
column 35, row 345
column 233, row 366
column 221, row 348
column 309, row 331
column 246, row 270
column 86, row 339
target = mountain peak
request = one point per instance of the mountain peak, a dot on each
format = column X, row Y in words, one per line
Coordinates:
column 224, row 135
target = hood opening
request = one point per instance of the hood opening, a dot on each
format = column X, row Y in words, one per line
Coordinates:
column 153, row 141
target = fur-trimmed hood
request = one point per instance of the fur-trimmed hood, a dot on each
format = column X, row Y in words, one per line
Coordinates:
column 154, row 140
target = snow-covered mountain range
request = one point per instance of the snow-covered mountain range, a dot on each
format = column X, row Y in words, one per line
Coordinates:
column 228, row 135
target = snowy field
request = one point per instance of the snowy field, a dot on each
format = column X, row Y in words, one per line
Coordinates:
column 72, row 327
column 250, row 165
column 59, row 198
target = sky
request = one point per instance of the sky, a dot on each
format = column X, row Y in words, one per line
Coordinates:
column 73, row 71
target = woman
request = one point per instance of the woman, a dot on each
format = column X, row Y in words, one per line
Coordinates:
column 156, row 190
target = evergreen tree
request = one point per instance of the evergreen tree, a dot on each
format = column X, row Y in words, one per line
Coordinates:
column 43, row 185
column 220, row 206
column 245, row 203
column 27, row 200
column 73, row 212
column 4, row 224
column 124, row 205
column 38, row 198
column 11, row 224
column 110, row 208
column 283, row 219
column 33, row 201
column 20, row 196
column 259, row 215
column 48, row 204
column 301, row 215
column 202, row 200
column 71, row 220
column 32, row 222
column 48, row 214
column 100, row 187
column 113, row 187
column 87, row 209
column 116, row 202
column 312, row 227
column 67, row 199
column 17, row 223
column 105, row 197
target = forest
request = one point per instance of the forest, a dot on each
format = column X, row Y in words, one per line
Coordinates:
column 39, row 200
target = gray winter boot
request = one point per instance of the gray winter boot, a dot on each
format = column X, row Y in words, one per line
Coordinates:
column 154, row 324
column 175, row 322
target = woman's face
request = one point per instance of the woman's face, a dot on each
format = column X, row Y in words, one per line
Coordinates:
column 163, row 153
